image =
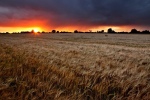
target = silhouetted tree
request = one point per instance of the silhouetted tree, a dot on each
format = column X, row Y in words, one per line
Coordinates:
column 32, row 31
column 7, row 32
column 146, row 31
column 43, row 32
column 53, row 31
column 134, row 31
column 111, row 31
column 26, row 32
column 57, row 31
column 76, row 31
column 102, row 31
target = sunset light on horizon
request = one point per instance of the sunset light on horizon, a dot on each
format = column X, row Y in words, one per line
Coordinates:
column 79, row 15
column 69, row 29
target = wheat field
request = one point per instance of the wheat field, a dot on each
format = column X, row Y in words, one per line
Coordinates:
column 68, row 66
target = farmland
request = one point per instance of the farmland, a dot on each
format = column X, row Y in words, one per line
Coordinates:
column 75, row 66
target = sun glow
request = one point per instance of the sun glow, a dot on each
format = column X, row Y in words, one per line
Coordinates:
column 36, row 30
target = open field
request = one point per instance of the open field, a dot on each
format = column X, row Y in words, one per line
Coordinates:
column 75, row 66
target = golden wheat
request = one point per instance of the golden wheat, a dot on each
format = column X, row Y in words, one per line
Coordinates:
column 74, row 67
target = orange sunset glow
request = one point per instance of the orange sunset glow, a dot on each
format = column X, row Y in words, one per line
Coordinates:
column 67, row 28
column 17, row 16
column 47, row 25
column 23, row 25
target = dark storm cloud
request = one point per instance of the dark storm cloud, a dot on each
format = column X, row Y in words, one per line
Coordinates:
column 79, row 12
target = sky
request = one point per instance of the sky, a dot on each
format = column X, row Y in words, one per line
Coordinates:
column 70, row 15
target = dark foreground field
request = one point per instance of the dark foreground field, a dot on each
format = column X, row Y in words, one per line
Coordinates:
column 74, row 67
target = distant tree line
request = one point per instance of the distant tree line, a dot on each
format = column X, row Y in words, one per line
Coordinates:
column 110, row 30
column 133, row 31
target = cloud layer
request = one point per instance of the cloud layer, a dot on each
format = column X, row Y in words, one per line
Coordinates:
column 85, row 13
